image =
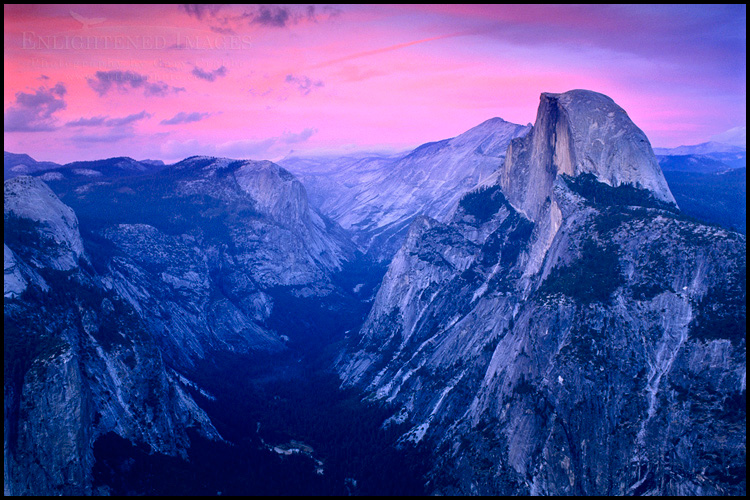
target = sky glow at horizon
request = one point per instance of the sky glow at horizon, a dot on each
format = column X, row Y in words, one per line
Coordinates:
column 84, row 82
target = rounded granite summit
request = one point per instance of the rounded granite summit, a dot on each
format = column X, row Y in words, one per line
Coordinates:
column 580, row 132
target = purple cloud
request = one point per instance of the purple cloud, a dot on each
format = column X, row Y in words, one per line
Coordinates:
column 105, row 81
column 209, row 75
column 201, row 10
column 303, row 83
column 226, row 19
column 281, row 17
column 127, row 120
column 106, row 121
column 34, row 112
column 115, row 136
column 94, row 121
column 271, row 15
column 183, row 117
column 291, row 138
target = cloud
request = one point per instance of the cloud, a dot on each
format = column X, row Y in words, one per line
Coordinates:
column 271, row 15
column 115, row 136
column 222, row 31
column 104, row 81
column 291, row 138
column 95, row 121
column 34, row 112
column 106, row 121
column 183, row 117
column 227, row 19
column 111, row 129
column 209, row 75
column 303, row 83
column 281, row 17
column 127, row 120
column 736, row 136
column 201, row 10
column 246, row 148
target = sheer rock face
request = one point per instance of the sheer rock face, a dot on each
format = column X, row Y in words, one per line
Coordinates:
column 575, row 133
column 276, row 191
column 48, row 218
column 566, row 333
column 78, row 363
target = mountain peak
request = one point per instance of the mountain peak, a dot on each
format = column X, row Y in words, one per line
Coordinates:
column 580, row 96
column 700, row 149
column 489, row 138
column 579, row 132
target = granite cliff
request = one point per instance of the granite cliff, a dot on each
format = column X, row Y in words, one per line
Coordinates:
column 566, row 330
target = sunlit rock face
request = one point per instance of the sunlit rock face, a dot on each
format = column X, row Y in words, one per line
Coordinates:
column 566, row 330
column 575, row 133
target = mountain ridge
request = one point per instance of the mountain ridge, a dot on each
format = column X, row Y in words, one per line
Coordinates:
column 553, row 345
column 545, row 319
column 376, row 197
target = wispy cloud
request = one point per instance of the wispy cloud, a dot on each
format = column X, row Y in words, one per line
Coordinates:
column 183, row 117
column 105, row 130
column 201, row 10
column 209, row 75
column 292, row 138
column 302, row 83
column 124, row 81
column 94, row 121
column 106, row 121
column 390, row 48
column 245, row 148
column 127, row 120
column 271, row 15
column 229, row 18
column 83, row 139
column 34, row 112
column 737, row 136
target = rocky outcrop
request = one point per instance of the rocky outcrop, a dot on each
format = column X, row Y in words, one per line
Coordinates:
column 78, row 361
column 50, row 235
column 567, row 331
column 575, row 133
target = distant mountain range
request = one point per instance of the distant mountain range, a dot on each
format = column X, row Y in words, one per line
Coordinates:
column 520, row 309
column 22, row 164
column 703, row 148
column 377, row 197
column 709, row 182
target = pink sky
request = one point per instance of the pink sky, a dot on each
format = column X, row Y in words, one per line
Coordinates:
column 166, row 82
